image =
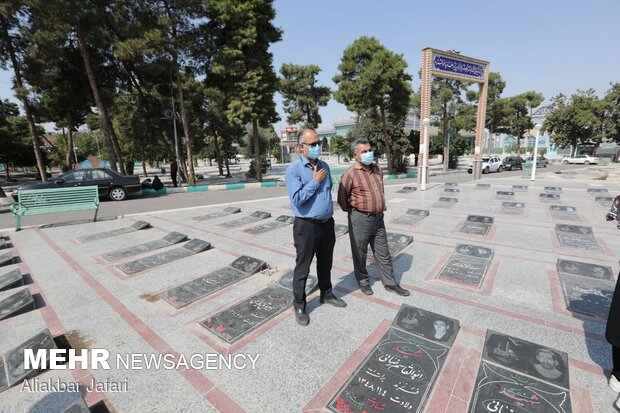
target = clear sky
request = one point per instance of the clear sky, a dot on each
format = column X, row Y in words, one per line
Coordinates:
column 550, row 46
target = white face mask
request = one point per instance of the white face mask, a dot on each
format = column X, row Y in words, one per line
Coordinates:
column 367, row 158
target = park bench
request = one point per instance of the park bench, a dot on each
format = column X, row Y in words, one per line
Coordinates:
column 49, row 201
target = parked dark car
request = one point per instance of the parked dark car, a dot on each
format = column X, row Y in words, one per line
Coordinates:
column 513, row 162
column 111, row 184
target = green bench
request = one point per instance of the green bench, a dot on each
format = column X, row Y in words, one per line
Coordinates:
column 49, row 201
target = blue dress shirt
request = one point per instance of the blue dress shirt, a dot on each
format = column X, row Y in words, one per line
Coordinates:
column 309, row 198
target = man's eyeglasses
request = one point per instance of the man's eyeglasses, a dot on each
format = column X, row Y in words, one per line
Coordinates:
column 313, row 143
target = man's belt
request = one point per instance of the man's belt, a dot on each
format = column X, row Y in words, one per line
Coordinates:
column 315, row 221
column 368, row 214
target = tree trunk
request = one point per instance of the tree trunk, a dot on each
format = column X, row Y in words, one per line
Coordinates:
column 70, row 142
column 186, row 139
column 114, row 152
column 386, row 140
column 255, row 140
column 218, row 156
column 446, row 145
column 21, row 94
column 490, row 139
column 227, row 167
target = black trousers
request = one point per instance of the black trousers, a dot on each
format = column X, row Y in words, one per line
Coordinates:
column 174, row 179
column 312, row 239
column 615, row 354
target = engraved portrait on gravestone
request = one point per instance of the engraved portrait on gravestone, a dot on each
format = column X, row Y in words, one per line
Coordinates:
column 439, row 330
column 546, row 364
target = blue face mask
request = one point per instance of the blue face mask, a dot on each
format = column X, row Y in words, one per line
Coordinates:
column 367, row 158
column 314, row 151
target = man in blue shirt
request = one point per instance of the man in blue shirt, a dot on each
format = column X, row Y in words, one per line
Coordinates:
column 309, row 186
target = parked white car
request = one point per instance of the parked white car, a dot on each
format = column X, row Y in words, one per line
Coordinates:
column 583, row 159
column 488, row 164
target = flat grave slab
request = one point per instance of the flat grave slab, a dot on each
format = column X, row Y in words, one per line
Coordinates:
column 397, row 376
column 11, row 279
column 529, row 358
column 281, row 221
column 248, row 265
column 605, row 201
column 4, row 383
column 467, row 266
column 168, row 240
column 398, row 242
column 426, row 324
column 584, row 269
column 512, row 208
column 411, row 217
column 137, row 226
column 14, row 359
column 445, row 202
column 577, row 236
column 254, row 217
column 406, row 190
column 544, row 197
column 519, row 188
column 451, row 184
column 500, row 390
column 17, row 303
column 482, row 186
column 217, row 214
column 452, row 190
column 340, row 229
column 477, row 225
column 6, row 258
column 567, row 213
column 588, row 296
column 200, row 287
column 597, row 191
column 553, row 189
column 192, row 247
column 504, row 195
column 2, row 244
column 286, row 281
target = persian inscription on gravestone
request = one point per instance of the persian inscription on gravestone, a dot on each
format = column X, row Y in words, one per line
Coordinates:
column 11, row 279
column 281, row 221
column 255, row 216
column 194, row 246
column 17, row 303
column 341, row 229
column 168, row 240
column 513, row 208
column 235, row 322
column 549, row 197
column 542, row 362
column 464, row 271
column 396, row 377
column 568, row 213
column 218, row 214
column 407, row 189
column 576, row 236
column 137, row 226
column 6, row 258
column 500, row 390
column 452, row 190
column 480, row 219
column 248, row 265
column 587, row 296
column 504, row 195
column 584, row 269
column 16, row 371
column 482, row 186
column 475, row 228
column 286, row 281
column 553, row 189
column 519, row 188
column 604, row 200
column 412, row 216
column 596, row 191
column 4, row 384
column 423, row 323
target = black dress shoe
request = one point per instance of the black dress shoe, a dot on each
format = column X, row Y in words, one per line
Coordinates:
column 397, row 289
column 366, row 289
column 333, row 300
column 302, row 317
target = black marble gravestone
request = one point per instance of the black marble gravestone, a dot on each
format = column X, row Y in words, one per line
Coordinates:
column 474, row 251
column 281, row 221
column 4, row 384
column 17, row 303
column 426, row 324
column 407, row 190
column 248, row 265
column 446, row 202
column 452, row 190
column 237, row 321
column 137, row 226
column 11, row 279
column 218, row 214
column 6, row 258
column 597, row 191
column 587, row 296
column 604, row 200
column 538, row 361
column 567, row 213
column 467, row 266
column 481, row 219
column 341, row 229
column 499, row 390
column 397, row 242
column 512, row 208
column 482, row 186
column 396, row 377
column 168, row 240
column 194, row 246
column 549, row 197
column 477, row 225
column 584, row 269
column 411, row 217
column 576, row 236
column 520, row 188
column 2, row 244
column 504, row 195
column 553, row 189
column 450, row 184
column 254, row 217
column 14, row 359
column 286, row 281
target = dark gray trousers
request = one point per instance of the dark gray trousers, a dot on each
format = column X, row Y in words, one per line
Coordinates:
column 364, row 230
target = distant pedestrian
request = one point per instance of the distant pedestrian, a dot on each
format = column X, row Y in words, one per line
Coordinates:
column 156, row 184
column 361, row 194
column 309, row 184
column 173, row 172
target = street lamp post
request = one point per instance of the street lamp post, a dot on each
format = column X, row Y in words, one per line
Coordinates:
column 535, row 157
column 424, row 153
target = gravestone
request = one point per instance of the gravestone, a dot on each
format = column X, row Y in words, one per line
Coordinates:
column 407, row 190
column 286, row 281
column 248, row 265
column 549, row 197
column 17, row 303
column 137, row 226
column 340, row 229
column 584, row 269
column 254, row 217
column 446, row 202
column 2, row 244
column 474, row 251
column 281, row 221
column 451, row 184
column 411, row 217
column 477, row 225
column 14, row 359
column 504, row 195
column 210, row 283
column 553, row 189
column 482, row 186
column 218, row 214
column 587, row 296
column 426, row 324
column 237, row 321
column 467, row 266
column 567, row 213
column 194, row 246
column 396, row 377
column 500, row 390
column 452, row 190
column 597, row 191
column 576, row 236
column 6, row 258
column 4, row 384
column 168, row 240
column 397, row 242
column 512, row 208
column 520, row 188
column 11, row 279
column 605, row 201
column 529, row 358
